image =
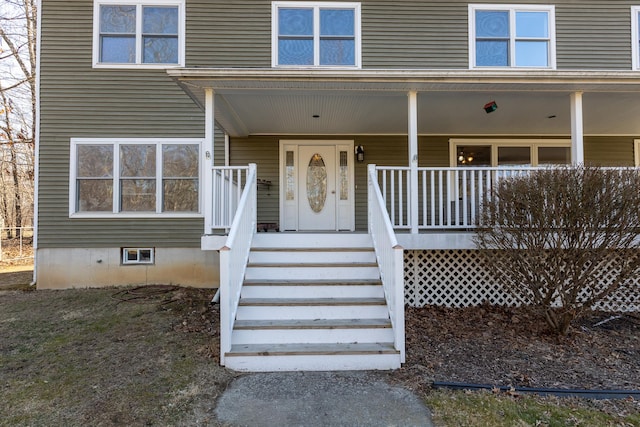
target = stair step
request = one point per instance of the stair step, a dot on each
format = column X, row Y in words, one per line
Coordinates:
column 313, row 324
column 318, row 271
column 310, row 264
column 312, row 357
column 310, row 301
column 355, row 282
column 313, row 308
column 311, row 349
column 312, row 331
column 344, row 290
column 311, row 256
column 313, row 249
column 311, row 240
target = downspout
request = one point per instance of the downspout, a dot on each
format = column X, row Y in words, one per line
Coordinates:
column 36, row 162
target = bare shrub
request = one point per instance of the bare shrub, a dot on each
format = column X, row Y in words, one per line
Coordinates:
column 546, row 237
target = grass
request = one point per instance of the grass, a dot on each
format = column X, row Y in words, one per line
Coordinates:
column 484, row 408
column 84, row 357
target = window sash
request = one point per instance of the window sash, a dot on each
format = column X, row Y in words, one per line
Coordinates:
column 318, row 48
column 110, row 47
column 525, row 50
column 131, row 192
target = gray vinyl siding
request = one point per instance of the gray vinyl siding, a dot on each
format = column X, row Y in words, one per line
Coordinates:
column 409, row 34
column 79, row 101
column 609, row 151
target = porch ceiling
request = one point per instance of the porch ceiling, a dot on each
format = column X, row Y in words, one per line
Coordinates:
column 254, row 102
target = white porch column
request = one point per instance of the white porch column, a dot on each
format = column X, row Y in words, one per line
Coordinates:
column 577, row 130
column 207, row 161
column 413, row 161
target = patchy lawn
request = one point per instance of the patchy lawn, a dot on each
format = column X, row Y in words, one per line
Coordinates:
column 108, row 357
column 149, row 356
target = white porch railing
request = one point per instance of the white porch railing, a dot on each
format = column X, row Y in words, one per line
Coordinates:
column 234, row 256
column 226, row 189
column 390, row 258
column 448, row 198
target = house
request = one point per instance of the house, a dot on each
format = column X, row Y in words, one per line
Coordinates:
column 322, row 162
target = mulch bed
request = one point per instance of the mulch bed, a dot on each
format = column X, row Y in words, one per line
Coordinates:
column 513, row 347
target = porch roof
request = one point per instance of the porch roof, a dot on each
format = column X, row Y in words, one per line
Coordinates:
column 284, row 102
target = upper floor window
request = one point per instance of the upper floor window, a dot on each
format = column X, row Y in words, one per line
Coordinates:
column 316, row 34
column 135, row 177
column 635, row 36
column 511, row 36
column 145, row 33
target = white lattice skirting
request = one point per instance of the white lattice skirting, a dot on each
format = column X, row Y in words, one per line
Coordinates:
column 456, row 278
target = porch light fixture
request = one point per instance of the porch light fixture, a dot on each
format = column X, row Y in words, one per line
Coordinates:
column 490, row 107
column 359, row 153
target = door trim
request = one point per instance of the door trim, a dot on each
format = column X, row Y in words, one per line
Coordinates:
column 350, row 222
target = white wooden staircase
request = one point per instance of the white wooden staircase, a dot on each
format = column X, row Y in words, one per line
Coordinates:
column 312, row 302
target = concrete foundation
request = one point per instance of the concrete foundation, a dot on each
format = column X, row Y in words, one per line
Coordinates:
column 62, row 268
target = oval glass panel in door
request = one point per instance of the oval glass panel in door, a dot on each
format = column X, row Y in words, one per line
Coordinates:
column 316, row 183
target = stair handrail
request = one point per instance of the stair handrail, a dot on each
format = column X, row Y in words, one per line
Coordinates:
column 390, row 257
column 234, row 256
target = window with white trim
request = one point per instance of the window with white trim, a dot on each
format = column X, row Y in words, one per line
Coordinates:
column 137, row 256
column 511, row 36
column 136, row 177
column 138, row 33
column 635, row 36
column 315, row 34
column 509, row 153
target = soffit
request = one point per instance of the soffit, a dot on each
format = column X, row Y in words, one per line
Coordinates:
column 368, row 102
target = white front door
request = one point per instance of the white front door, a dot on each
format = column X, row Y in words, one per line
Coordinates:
column 316, row 185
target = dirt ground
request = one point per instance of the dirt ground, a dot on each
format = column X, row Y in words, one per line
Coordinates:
column 512, row 347
column 77, row 357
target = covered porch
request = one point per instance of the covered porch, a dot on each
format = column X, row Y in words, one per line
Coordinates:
column 348, row 143
column 439, row 139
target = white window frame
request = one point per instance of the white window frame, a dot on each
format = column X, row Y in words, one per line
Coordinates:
column 512, row 9
column 494, row 143
column 635, row 38
column 316, row 6
column 125, row 261
column 138, row 3
column 116, row 143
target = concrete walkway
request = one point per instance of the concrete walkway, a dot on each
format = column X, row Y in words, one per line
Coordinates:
column 313, row 399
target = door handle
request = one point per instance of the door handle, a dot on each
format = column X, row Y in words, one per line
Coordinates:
column 333, row 191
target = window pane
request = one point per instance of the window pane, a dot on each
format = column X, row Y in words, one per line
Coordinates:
column 316, row 183
column 118, row 19
column 344, row 176
column 138, row 160
column 160, row 20
column 119, row 49
column 492, row 53
column 532, row 24
column 295, row 22
column 295, row 52
column 180, row 161
column 337, row 22
column 160, row 50
column 474, row 155
column 290, row 171
column 492, row 24
column 532, row 54
column 180, row 195
column 514, row 156
column 554, row 155
column 94, row 161
column 95, row 195
column 337, row 52
column 137, row 195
